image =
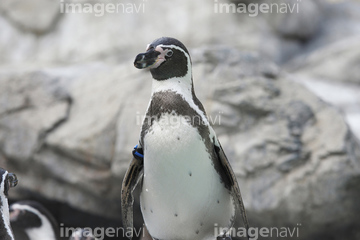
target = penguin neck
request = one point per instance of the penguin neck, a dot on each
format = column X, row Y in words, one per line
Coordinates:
column 181, row 85
column 45, row 231
column 5, row 219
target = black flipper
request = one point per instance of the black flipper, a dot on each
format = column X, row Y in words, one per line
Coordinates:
column 235, row 189
column 131, row 179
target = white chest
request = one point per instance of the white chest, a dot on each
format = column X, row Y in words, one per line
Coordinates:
column 182, row 196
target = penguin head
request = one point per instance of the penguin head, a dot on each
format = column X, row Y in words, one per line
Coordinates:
column 23, row 216
column 34, row 220
column 166, row 58
column 8, row 180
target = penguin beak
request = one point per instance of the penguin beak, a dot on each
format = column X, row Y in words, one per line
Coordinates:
column 147, row 59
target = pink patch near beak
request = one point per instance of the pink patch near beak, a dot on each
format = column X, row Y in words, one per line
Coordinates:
column 161, row 58
column 14, row 214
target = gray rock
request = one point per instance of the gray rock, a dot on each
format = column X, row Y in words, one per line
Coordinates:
column 340, row 20
column 49, row 31
column 344, row 96
column 36, row 16
column 71, row 154
column 280, row 49
column 29, row 109
column 291, row 26
column 295, row 19
column 317, row 25
column 69, row 37
column 334, row 45
column 337, row 62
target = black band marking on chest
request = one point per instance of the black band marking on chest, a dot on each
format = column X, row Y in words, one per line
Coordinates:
column 172, row 102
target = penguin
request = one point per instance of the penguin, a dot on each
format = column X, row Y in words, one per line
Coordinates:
column 8, row 180
column 188, row 187
column 31, row 221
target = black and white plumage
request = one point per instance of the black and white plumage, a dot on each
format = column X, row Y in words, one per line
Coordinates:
column 7, row 181
column 188, row 185
column 31, row 220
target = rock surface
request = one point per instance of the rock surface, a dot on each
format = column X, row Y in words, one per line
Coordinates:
column 321, row 63
column 72, row 35
column 301, row 20
column 52, row 137
column 30, row 15
column 345, row 96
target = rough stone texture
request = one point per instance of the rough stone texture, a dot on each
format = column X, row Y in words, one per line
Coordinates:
column 37, row 16
column 332, row 54
column 68, row 134
column 328, row 63
column 42, row 31
column 60, row 131
column 340, row 20
column 28, row 112
column 75, row 37
column 301, row 20
column 337, row 62
column 345, row 96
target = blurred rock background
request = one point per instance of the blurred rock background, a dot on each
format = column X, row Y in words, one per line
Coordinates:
column 283, row 91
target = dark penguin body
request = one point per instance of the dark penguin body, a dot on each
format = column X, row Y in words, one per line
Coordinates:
column 8, row 180
column 188, row 186
column 32, row 221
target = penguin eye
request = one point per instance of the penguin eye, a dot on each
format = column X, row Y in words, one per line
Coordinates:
column 169, row 53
